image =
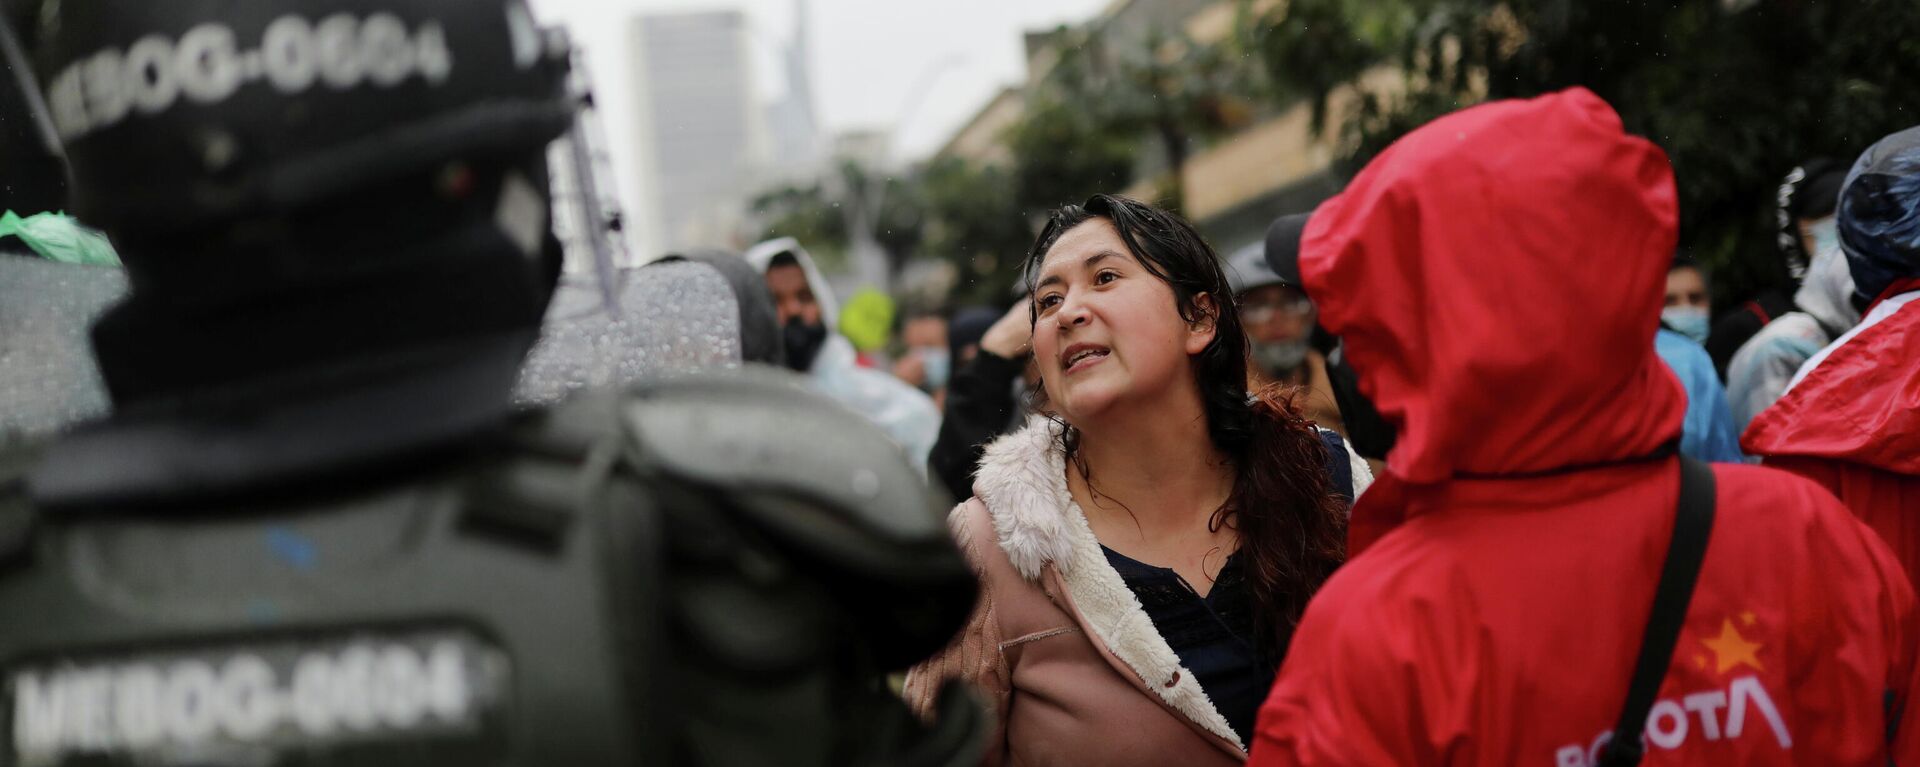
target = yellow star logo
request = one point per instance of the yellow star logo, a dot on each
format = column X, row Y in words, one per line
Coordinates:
column 1700, row 660
column 1730, row 649
column 1748, row 618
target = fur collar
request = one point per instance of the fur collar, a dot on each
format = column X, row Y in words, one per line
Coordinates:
column 1023, row 482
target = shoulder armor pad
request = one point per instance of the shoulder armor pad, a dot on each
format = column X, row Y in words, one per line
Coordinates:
column 17, row 513
column 820, row 480
column 760, row 432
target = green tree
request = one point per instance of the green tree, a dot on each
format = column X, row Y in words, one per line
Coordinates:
column 818, row 214
column 1064, row 146
column 974, row 221
column 1736, row 93
column 807, row 214
column 1180, row 93
column 1306, row 49
column 897, row 223
column 1089, row 116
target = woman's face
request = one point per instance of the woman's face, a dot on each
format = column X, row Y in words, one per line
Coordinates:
column 1108, row 331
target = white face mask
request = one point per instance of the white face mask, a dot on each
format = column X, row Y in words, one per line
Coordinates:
column 1826, row 236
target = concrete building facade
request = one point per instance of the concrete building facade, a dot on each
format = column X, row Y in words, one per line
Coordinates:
column 703, row 132
column 1235, row 184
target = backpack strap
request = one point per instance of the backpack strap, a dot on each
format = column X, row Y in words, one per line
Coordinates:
column 1692, row 526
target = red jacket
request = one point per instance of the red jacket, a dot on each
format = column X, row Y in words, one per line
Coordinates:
column 1852, row 423
column 1496, row 277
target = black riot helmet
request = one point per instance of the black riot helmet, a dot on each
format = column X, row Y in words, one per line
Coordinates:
column 36, row 174
column 183, row 113
column 306, row 182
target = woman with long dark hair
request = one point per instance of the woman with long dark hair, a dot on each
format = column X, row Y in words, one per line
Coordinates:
column 1148, row 541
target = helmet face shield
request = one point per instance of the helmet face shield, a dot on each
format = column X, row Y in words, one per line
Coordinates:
column 610, row 324
column 668, row 318
column 178, row 115
column 49, row 379
column 291, row 147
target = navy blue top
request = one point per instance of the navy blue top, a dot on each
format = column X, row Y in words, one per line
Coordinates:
column 1339, row 471
column 1212, row 635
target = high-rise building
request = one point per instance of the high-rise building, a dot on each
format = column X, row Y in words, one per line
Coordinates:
column 702, row 127
column 794, row 126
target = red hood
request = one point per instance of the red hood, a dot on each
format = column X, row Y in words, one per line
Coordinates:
column 1860, row 401
column 1496, row 277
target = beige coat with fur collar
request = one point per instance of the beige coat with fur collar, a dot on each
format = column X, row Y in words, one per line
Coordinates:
column 1061, row 648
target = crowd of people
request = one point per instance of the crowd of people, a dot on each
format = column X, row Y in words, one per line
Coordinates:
column 1457, row 468
column 1158, row 531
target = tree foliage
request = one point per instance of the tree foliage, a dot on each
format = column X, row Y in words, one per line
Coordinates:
column 1181, row 93
column 1305, row 49
column 807, row 214
column 819, row 215
column 1737, row 93
column 1062, row 154
column 1066, row 145
column 1103, row 100
column 892, row 203
column 975, row 222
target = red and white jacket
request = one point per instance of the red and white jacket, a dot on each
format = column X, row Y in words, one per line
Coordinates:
column 1496, row 277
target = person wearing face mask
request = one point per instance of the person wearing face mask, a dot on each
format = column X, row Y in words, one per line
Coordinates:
column 1502, row 572
column 1279, row 318
column 937, row 362
column 1848, row 420
column 1367, row 435
column 1280, row 322
column 804, row 305
column 1709, row 434
column 1806, row 229
column 1824, row 309
column 1689, row 304
column 928, row 363
column 989, row 348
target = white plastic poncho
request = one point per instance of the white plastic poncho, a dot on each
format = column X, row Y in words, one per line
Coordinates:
column 904, row 412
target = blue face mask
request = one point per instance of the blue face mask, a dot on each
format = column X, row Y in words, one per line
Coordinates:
column 1689, row 321
column 938, row 364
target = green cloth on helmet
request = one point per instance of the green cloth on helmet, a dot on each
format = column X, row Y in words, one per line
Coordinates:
column 57, row 237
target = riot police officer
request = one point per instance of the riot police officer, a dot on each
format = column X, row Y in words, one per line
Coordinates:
column 316, row 529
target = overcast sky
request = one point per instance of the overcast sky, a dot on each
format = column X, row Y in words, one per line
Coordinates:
column 868, row 57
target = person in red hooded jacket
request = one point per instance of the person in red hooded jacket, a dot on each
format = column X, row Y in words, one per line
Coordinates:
column 1495, row 276
column 1851, row 418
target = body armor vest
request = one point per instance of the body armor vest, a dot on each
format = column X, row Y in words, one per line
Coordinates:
column 710, row 570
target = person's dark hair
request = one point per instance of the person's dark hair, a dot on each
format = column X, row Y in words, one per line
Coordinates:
column 1291, row 527
column 1810, row 191
column 782, row 258
column 1684, row 261
column 1818, row 194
